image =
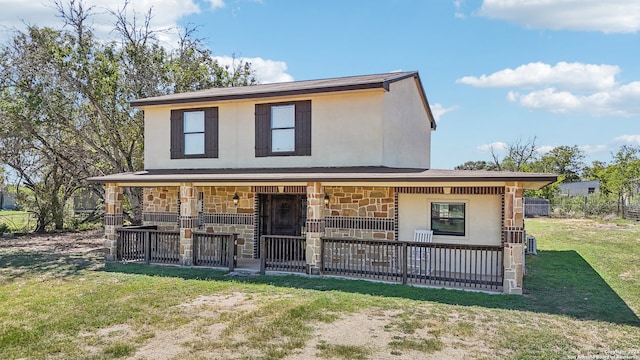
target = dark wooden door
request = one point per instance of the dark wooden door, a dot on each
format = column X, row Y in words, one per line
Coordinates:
column 285, row 215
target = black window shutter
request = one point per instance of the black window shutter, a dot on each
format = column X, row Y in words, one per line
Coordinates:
column 263, row 130
column 303, row 128
column 177, row 134
column 211, row 132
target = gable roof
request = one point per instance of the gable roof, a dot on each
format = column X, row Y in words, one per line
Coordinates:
column 361, row 82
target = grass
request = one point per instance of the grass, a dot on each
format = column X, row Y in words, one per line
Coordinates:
column 17, row 221
column 582, row 297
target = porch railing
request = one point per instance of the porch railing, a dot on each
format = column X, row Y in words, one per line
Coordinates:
column 283, row 253
column 447, row 265
column 146, row 244
column 214, row 249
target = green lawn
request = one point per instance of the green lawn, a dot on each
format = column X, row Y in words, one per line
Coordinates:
column 582, row 298
column 17, row 221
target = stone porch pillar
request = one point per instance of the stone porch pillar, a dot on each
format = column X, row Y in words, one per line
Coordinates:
column 112, row 219
column 188, row 221
column 315, row 225
column 513, row 238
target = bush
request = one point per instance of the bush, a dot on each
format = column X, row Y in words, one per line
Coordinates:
column 4, row 228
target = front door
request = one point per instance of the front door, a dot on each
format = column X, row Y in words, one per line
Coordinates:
column 285, row 212
column 281, row 214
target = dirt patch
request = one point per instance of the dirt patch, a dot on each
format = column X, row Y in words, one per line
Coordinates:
column 64, row 242
column 375, row 333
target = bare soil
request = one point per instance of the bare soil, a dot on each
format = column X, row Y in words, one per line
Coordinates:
column 63, row 242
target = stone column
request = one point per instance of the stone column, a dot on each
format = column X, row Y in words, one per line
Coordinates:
column 513, row 261
column 112, row 219
column 188, row 221
column 315, row 225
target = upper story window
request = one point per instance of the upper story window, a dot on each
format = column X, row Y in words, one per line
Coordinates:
column 194, row 133
column 448, row 218
column 283, row 129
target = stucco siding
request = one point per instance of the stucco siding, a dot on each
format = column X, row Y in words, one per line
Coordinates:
column 407, row 131
column 347, row 130
column 483, row 217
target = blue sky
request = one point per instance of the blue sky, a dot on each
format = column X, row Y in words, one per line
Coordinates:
column 566, row 72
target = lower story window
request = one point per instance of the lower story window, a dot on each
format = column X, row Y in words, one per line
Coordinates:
column 448, row 218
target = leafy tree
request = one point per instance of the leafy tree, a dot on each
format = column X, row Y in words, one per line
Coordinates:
column 621, row 177
column 64, row 101
column 477, row 165
column 562, row 160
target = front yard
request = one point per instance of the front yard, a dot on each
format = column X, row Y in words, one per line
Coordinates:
column 59, row 300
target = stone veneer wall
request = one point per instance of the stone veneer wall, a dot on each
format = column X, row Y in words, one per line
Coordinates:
column 161, row 202
column 220, row 214
column 237, row 218
column 361, row 212
column 112, row 218
column 513, row 239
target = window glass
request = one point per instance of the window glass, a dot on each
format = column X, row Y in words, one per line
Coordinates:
column 283, row 116
column 193, row 121
column 283, row 140
column 193, row 132
column 448, row 218
column 194, row 144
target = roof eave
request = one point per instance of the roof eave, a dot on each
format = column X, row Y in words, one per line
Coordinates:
column 257, row 95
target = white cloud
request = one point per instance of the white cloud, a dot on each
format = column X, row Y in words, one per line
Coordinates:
column 216, row 4
column 622, row 101
column 497, row 146
column 629, row 139
column 544, row 149
column 610, row 16
column 267, row 71
column 438, row 110
column 458, row 14
column 565, row 75
column 165, row 15
column 565, row 88
column 594, row 149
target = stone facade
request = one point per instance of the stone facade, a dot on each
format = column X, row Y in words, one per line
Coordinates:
column 160, row 207
column 188, row 221
column 357, row 212
column 112, row 219
column 315, row 214
column 513, row 242
column 219, row 200
column 360, row 212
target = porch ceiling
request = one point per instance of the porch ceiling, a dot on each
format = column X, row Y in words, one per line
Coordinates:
column 374, row 175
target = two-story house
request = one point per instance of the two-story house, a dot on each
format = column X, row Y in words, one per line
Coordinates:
column 326, row 176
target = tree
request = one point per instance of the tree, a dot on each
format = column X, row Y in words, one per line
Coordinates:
column 477, row 165
column 520, row 154
column 622, row 175
column 565, row 161
column 64, row 101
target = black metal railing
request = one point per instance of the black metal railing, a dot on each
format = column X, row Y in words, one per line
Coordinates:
column 146, row 244
column 214, row 249
column 283, row 253
column 447, row 265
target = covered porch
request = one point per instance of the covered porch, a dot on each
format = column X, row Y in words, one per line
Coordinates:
column 334, row 227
